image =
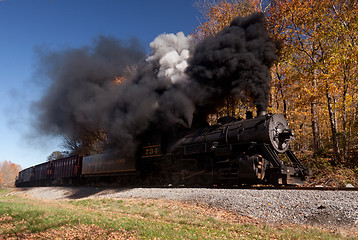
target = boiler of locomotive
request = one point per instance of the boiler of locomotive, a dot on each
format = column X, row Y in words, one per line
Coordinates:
column 270, row 129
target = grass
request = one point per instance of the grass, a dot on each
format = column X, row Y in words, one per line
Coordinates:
column 26, row 218
column 4, row 192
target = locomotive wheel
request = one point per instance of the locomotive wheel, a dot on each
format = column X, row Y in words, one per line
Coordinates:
column 260, row 168
column 252, row 168
column 205, row 180
column 174, row 179
column 187, row 177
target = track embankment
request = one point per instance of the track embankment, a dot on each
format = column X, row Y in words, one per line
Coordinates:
column 327, row 209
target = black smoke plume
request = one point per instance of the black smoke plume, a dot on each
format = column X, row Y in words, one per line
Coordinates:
column 237, row 60
column 177, row 81
column 81, row 98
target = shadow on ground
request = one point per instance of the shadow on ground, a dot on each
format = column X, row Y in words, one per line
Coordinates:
column 69, row 192
column 85, row 192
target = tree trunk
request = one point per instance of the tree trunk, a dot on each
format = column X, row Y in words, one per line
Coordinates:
column 344, row 120
column 284, row 103
column 315, row 128
column 333, row 123
column 316, row 137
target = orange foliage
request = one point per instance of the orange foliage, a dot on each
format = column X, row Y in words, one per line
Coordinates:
column 317, row 65
column 128, row 73
column 315, row 83
column 1, row 179
column 118, row 80
column 218, row 15
column 8, row 173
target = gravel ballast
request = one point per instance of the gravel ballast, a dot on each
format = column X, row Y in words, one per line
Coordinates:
column 332, row 209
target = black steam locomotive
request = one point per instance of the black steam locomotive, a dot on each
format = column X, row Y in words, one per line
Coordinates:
column 231, row 152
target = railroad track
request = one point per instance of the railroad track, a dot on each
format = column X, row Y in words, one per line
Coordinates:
column 256, row 187
column 317, row 188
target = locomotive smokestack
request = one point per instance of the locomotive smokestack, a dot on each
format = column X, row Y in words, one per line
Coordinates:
column 261, row 112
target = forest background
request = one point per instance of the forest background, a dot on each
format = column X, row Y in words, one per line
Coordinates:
column 314, row 84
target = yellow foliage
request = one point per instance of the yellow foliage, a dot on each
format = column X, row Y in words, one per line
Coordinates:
column 8, row 174
column 315, row 83
column 219, row 14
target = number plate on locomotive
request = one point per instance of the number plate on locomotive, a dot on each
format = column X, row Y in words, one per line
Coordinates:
column 151, row 151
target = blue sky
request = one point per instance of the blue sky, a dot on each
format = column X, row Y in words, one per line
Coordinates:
column 26, row 25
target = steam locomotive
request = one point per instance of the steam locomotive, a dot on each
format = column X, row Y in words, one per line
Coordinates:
column 231, row 152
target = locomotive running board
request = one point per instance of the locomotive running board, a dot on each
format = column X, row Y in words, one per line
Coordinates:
column 290, row 175
column 294, row 160
column 305, row 172
column 271, row 155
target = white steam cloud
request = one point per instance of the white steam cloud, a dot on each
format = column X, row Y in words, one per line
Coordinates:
column 172, row 51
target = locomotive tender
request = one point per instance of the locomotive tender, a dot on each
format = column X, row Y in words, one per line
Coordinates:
column 231, row 152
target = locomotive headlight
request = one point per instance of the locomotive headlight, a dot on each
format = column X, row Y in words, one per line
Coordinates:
column 285, row 134
column 280, row 134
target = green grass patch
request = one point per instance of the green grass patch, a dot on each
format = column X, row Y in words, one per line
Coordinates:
column 5, row 191
column 22, row 217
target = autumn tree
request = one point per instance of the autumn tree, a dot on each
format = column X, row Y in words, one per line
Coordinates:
column 320, row 53
column 315, row 82
column 340, row 37
column 8, row 173
column 87, row 142
column 289, row 21
column 57, row 155
column 219, row 14
column 1, row 179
